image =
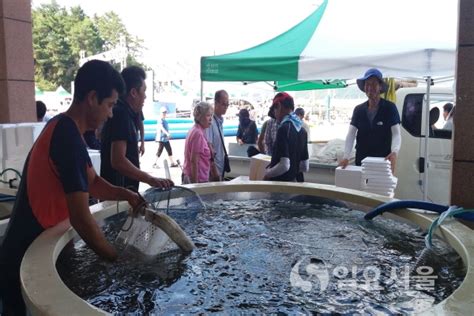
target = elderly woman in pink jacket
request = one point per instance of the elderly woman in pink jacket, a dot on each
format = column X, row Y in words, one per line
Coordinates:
column 198, row 155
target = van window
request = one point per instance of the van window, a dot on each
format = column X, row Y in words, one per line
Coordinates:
column 412, row 115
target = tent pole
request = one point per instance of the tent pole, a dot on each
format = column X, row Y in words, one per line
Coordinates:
column 202, row 89
column 427, row 137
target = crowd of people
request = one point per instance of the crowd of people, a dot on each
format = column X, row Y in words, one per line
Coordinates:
column 58, row 177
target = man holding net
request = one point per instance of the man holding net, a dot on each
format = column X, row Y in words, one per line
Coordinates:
column 119, row 154
column 58, row 177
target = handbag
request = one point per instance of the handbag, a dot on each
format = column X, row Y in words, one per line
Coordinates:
column 226, row 163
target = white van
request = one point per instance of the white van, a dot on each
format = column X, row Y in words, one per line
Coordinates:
column 411, row 104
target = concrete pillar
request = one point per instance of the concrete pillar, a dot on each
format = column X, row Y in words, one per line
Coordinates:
column 17, row 92
column 462, row 184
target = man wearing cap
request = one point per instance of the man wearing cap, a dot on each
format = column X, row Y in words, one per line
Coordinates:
column 215, row 133
column 163, row 137
column 375, row 124
column 290, row 152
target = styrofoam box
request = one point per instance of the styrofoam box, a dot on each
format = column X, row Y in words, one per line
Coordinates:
column 377, row 168
column 19, row 138
column 95, row 158
column 375, row 160
column 350, row 177
column 29, row 132
column 10, row 141
column 236, row 149
column 379, row 186
column 258, row 164
column 377, row 174
column 372, row 180
column 1, row 143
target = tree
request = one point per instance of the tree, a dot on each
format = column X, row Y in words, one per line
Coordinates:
column 83, row 34
column 60, row 35
column 114, row 33
column 51, row 48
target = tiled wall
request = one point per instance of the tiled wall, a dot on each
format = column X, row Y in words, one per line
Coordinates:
column 462, row 185
column 17, row 100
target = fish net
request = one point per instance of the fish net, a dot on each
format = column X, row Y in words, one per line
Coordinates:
column 153, row 228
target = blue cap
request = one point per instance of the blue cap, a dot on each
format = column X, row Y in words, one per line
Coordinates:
column 372, row 72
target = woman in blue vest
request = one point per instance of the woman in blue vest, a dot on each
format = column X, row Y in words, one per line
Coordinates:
column 375, row 124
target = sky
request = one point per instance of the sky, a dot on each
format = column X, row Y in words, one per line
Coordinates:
column 187, row 29
column 184, row 30
column 181, row 31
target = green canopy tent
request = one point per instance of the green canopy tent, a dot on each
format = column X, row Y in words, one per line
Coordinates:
column 333, row 43
column 60, row 91
column 274, row 61
column 295, row 85
column 343, row 38
column 38, row 92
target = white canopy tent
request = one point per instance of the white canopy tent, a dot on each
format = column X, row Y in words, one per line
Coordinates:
column 402, row 38
column 414, row 39
column 341, row 39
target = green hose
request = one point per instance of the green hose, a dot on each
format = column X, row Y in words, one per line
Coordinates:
column 11, row 169
column 10, row 182
column 452, row 211
column 429, row 252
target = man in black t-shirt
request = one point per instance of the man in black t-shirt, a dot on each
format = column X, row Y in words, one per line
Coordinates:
column 120, row 152
column 290, row 151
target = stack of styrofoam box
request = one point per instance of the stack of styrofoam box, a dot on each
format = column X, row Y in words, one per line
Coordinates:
column 377, row 176
column 95, row 158
column 3, row 142
column 17, row 140
column 258, row 164
column 349, row 177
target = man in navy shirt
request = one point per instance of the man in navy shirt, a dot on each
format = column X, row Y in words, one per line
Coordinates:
column 290, row 151
column 376, row 123
column 58, row 177
column 119, row 154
